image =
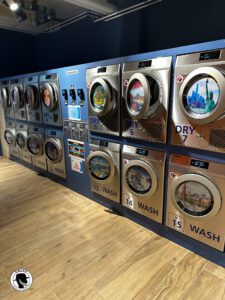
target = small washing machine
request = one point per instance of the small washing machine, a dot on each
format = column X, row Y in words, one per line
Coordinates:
column 103, row 165
column 35, row 146
column 6, row 99
column 50, row 99
column 10, row 137
column 54, row 152
column 143, row 181
column 199, row 101
column 195, row 199
column 103, row 85
column 18, row 99
column 21, row 141
column 145, row 92
column 33, row 105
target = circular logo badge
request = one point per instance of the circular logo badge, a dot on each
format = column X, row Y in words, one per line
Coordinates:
column 180, row 79
column 125, row 82
column 21, row 280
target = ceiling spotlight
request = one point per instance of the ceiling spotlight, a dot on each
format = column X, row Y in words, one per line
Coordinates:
column 14, row 6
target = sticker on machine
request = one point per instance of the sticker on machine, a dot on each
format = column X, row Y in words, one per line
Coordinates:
column 76, row 149
column 77, row 165
column 74, row 112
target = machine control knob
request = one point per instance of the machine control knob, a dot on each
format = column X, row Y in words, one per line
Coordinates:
column 80, row 93
column 73, row 94
column 65, row 95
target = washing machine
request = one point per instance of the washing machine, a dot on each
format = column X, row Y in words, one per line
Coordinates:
column 54, row 152
column 35, row 146
column 103, row 85
column 195, row 199
column 21, row 141
column 6, row 99
column 50, row 99
column 33, row 105
column 143, row 181
column 18, row 99
column 10, row 137
column 103, row 165
column 145, row 92
column 199, row 101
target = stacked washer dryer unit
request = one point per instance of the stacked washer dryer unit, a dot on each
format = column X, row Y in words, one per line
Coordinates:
column 10, row 137
column 52, row 118
column 143, row 181
column 199, row 101
column 18, row 99
column 103, row 165
column 145, row 99
column 103, row 84
column 195, row 200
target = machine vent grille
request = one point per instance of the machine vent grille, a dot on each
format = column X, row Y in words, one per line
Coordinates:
column 155, row 131
column 217, row 138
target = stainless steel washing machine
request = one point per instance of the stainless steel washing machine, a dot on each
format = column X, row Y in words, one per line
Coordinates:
column 103, row 165
column 10, row 137
column 143, row 181
column 195, row 199
column 21, row 141
column 146, row 86
column 17, row 99
column 50, row 99
column 103, row 85
column 32, row 99
column 199, row 101
column 35, row 146
column 6, row 99
column 54, row 152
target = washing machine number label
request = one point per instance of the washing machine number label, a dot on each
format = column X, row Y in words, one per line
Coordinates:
column 185, row 131
column 129, row 202
column 176, row 222
column 147, row 208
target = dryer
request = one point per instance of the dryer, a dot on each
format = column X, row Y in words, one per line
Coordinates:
column 195, row 199
column 54, row 152
column 10, row 137
column 50, row 99
column 6, row 99
column 103, row 166
column 21, row 141
column 143, row 181
column 32, row 100
column 17, row 99
column 35, row 146
column 103, row 85
column 145, row 92
column 199, row 101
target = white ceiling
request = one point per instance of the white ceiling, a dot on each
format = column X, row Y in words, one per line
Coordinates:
column 64, row 9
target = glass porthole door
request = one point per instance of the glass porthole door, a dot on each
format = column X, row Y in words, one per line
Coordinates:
column 5, row 97
column 202, row 95
column 143, row 96
column 35, row 145
column 31, row 97
column 49, row 96
column 17, row 97
column 196, row 196
column 9, row 135
column 21, row 140
column 53, row 150
column 101, row 97
column 100, row 166
column 140, row 178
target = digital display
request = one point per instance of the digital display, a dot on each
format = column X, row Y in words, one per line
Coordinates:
column 142, row 152
column 21, row 126
column 145, row 64
column 15, row 81
column 209, row 55
column 101, row 70
column 199, row 164
column 35, row 129
column 48, row 77
column 103, row 143
column 53, row 133
column 30, row 79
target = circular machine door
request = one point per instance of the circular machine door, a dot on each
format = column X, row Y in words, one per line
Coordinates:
column 202, row 95
column 21, row 140
column 143, row 96
column 17, row 97
column 49, row 96
column 196, row 196
column 5, row 97
column 35, row 145
column 140, row 178
column 31, row 96
column 53, row 150
column 101, row 97
column 100, row 166
column 9, row 136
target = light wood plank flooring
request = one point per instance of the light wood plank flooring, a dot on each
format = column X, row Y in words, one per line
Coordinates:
column 76, row 249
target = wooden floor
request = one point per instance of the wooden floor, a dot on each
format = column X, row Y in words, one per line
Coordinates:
column 76, row 249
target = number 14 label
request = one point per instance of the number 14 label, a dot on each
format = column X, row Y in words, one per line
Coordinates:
column 176, row 222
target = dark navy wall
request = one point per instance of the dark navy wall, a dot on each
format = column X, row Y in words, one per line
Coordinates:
column 17, row 53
